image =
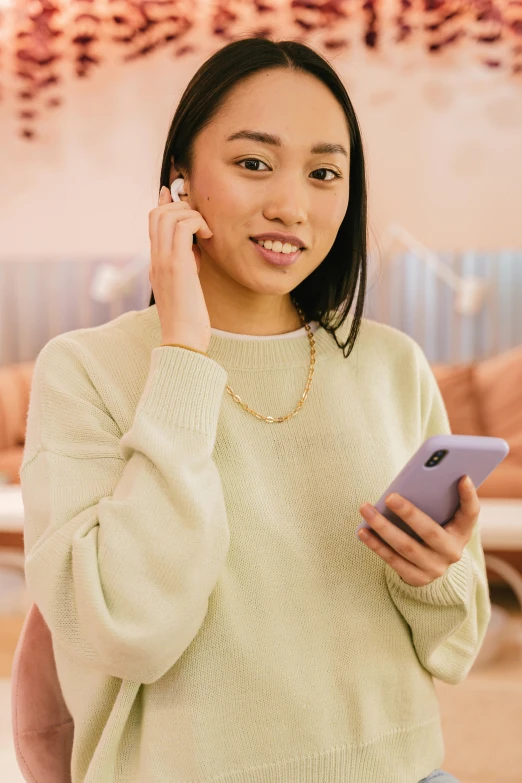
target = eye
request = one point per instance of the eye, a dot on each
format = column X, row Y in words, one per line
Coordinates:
column 256, row 160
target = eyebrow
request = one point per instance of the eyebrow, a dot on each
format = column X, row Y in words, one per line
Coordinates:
column 270, row 138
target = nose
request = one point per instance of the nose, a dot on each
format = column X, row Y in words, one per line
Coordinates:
column 286, row 201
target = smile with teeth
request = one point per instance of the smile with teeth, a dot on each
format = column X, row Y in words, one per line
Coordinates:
column 277, row 246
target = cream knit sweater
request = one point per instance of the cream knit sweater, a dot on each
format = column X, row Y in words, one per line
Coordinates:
column 214, row 617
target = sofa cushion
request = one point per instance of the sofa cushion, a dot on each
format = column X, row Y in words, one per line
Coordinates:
column 503, row 482
column 498, row 384
column 10, row 464
column 15, row 387
column 456, row 383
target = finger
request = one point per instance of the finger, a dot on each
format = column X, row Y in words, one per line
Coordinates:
column 413, row 551
column 165, row 196
column 153, row 224
column 172, row 212
column 168, row 225
column 432, row 534
column 164, row 200
column 468, row 511
column 406, row 570
column 166, row 203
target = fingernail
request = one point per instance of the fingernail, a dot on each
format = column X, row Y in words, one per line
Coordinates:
column 468, row 483
column 394, row 501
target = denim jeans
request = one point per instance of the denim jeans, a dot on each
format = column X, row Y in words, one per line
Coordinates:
column 440, row 776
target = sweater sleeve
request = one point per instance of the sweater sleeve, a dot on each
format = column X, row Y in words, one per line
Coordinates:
column 448, row 617
column 125, row 537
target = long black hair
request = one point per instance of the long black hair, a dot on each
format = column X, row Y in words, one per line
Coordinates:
column 326, row 295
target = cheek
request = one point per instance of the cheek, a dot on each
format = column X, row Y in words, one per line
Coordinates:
column 231, row 213
column 337, row 212
column 233, row 200
column 223, row 203
column 326, row 227
column 329, row 210
column 211, row 209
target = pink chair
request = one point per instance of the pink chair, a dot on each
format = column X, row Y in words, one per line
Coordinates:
column 42, row 725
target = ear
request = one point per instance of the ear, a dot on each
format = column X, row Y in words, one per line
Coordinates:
column 174, row 172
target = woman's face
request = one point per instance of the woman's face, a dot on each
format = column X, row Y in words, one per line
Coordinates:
column 290, row 189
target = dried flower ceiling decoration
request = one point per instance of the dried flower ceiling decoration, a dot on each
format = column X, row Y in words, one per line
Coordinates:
column 37, row 35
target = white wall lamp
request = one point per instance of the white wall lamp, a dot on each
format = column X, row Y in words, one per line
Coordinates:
column 109, row 281
column 470, row 291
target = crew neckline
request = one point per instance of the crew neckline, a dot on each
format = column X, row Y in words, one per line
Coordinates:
column 296, row 333
column 253, row 352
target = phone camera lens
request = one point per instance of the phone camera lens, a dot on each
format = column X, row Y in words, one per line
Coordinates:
column 436, row 457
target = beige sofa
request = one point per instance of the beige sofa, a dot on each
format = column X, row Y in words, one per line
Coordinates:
column 484, row 398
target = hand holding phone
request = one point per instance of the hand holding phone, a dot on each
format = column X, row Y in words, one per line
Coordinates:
column 430, row 479
column 174, row 271
column 433, row 495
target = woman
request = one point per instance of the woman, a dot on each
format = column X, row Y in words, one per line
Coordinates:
column 214, row 616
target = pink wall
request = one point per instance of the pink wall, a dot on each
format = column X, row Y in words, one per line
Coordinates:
column 443, row 147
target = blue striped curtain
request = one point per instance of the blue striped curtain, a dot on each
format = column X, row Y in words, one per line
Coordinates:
column 406, row 293
column 43, row 297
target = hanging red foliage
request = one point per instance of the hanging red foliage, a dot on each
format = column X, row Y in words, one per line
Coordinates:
column 37, row 35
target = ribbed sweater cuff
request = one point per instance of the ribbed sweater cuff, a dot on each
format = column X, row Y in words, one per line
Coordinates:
column 184, row 389
column 454, row 587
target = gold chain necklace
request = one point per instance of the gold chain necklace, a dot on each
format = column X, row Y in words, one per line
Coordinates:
column 236, row 398
column 299, row 405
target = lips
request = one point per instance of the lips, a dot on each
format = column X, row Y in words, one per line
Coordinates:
column 258, row 243
column 290, row 238
column 278, row 259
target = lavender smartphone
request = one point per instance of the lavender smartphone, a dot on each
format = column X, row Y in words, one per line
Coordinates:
column 430, row 478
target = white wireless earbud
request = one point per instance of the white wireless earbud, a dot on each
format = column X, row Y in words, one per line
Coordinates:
column 178, row 187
